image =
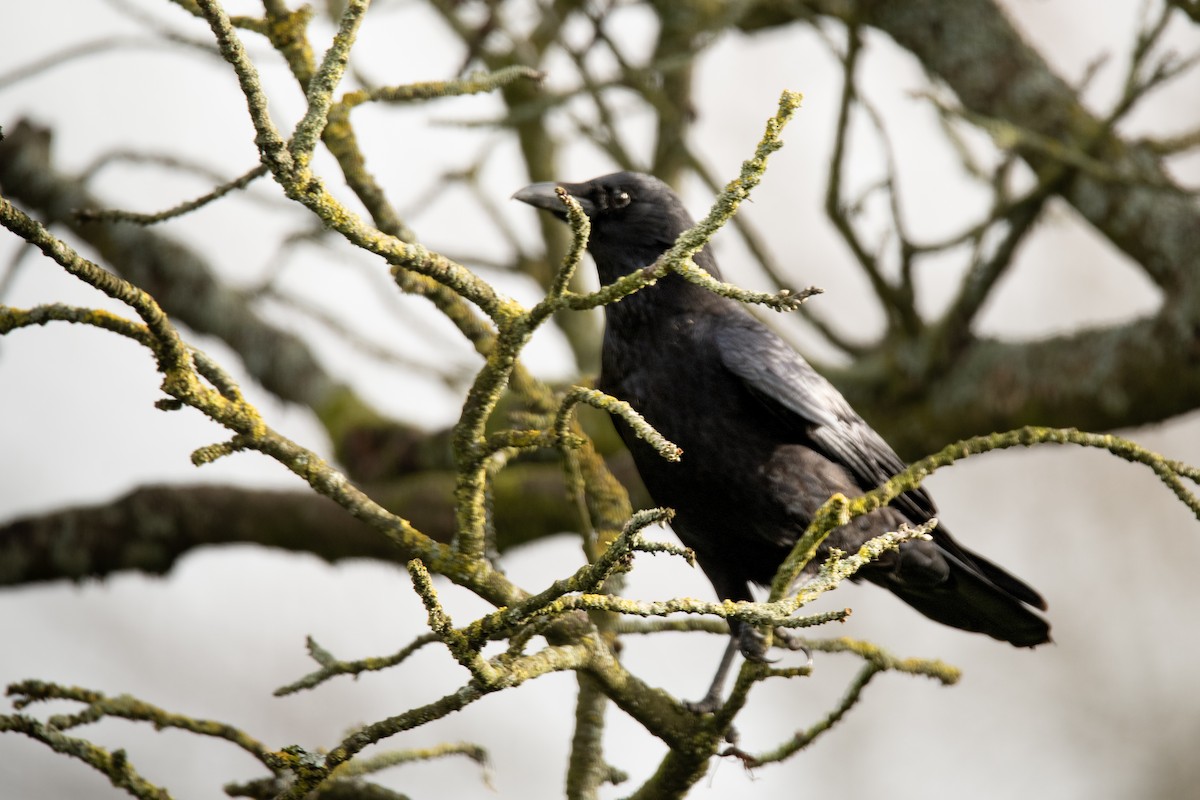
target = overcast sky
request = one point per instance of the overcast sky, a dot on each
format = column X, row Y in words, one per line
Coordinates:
column 1103, row 713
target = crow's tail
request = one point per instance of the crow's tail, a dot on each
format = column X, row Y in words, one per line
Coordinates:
column 956, row 587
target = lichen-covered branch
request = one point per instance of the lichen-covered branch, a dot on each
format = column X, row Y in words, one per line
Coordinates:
column 98, row 706
column 877, row 661
column 113, row 765
column 182, row 382
column 455, row 507
column 301, row 185
column 331, row 667
column 604, row 402
column 183, row 282
column 117, row 215
column 839, row 510
column 725, row 205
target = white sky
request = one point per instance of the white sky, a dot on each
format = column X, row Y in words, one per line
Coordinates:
column 1103, row 713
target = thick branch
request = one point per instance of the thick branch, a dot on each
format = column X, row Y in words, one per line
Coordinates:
column 1096, row 379
column 1136, row 373
column 974, row 47
column 151, row 528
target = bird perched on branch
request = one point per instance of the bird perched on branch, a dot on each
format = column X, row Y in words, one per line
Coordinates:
column 766, row 440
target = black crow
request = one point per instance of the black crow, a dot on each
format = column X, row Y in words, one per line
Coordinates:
column 766, row 439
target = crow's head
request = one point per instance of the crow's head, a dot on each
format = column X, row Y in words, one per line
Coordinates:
column 635, row 217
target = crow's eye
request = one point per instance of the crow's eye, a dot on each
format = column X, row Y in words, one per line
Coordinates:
column 610, row 198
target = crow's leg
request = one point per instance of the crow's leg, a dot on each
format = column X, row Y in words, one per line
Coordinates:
column 712, row 699
column 752, row 644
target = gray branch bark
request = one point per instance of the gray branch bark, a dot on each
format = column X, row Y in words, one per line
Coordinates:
column 151, row 528
column 1099, row 378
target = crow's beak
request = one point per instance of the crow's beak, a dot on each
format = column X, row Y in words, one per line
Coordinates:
column 543, row 196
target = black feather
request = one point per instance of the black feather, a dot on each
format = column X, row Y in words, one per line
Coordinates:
column 766, row 439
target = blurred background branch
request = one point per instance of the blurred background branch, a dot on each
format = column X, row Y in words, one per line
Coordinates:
column 625, row 85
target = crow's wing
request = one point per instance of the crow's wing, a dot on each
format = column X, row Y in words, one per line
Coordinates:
column 779, row 376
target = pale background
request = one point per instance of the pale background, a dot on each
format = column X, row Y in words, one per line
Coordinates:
column 1111, row 710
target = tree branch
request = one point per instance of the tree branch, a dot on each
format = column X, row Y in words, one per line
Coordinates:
column 151, row 528
column 1101, row 378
